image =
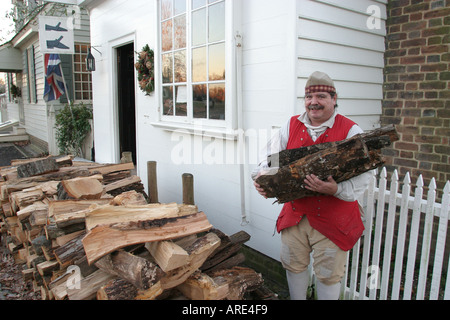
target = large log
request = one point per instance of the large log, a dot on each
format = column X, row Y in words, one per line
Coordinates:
column 342, row 161
column 374, row 140
column 138, row 271
column 240, row 280
column 37, row 167
column 80, row 188
column 110, row 232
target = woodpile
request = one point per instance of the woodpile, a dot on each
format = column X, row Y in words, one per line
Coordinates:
column 342, row 160
column 88, row 231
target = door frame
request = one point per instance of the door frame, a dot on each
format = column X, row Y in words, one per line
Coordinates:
column 113, row 46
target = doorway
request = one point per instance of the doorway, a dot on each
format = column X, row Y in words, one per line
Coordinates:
column 126, row 100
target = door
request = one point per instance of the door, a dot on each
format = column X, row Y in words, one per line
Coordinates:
column 126, row 100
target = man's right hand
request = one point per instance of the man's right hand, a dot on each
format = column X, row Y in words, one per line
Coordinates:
column 260, row 190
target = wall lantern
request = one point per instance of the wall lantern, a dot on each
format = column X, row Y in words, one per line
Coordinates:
column 90, row 60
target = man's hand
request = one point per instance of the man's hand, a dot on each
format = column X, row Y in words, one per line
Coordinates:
column 328, row 187
column 260, row 190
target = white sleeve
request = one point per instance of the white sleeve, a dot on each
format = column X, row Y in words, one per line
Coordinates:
column 351, row 189
column 277, row 143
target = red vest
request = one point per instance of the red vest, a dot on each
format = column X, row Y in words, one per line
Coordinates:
column 338, row 220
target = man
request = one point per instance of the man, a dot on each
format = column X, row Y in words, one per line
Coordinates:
column 330, row 224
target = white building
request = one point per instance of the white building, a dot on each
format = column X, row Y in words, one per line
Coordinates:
column 227, row 74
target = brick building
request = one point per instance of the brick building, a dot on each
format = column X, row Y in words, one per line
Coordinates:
column 416, row 89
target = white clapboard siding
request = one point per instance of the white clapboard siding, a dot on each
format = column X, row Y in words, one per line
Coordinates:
column 334, row 37
column 399, row 233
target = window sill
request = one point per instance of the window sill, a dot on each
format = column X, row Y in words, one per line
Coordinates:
column 198, row 130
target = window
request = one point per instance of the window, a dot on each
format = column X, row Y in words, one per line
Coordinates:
column 192, row 61
column 82, row 77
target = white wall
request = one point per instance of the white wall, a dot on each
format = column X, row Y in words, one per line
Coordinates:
column 277, row 57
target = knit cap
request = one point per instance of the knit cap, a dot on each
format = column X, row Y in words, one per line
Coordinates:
column 319, row 82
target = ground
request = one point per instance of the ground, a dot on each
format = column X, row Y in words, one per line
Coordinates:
column 12, row 284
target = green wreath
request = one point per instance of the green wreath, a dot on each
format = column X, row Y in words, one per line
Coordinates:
column 145, row 69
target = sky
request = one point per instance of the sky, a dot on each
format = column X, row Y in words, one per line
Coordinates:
column 6, row 25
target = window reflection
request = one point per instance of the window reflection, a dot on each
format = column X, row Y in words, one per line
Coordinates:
column 217, row 101
column 180, row 66
column 166, row 35
column 217, row 62
column 167, row 68
column 217, row 22
column 199, row 27
column 181, row 101
column 199, row 64
column 198, row 3
column 199, row 101
column 180, row 32
column 166, row 9
column 168, row 101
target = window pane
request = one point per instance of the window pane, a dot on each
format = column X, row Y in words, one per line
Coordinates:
column 180, row 32
column 199, row 101
column 166, row 35
column 166, row 9
column 217, row 22
column 212, row 1
column 181, row 101
column 217, row 101
column 180, row 66
column 199, row 64
column 217, row 62
column 168, row 101
column 167, row 66
column 198, row 3
column 180, row 6
column 199, row 27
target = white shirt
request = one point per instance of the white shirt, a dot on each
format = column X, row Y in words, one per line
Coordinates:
column 349, row 190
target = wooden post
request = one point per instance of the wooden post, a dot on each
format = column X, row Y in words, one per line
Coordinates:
column 152, row 182
column 188, row 188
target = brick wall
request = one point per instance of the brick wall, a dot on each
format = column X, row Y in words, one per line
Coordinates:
column 417, row 88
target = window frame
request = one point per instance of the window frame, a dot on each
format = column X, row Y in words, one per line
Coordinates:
column 82, row 72
column 214, row 127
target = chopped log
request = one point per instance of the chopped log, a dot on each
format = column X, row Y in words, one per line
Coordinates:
column 229, row 247
column 47, row 267
column 38, row 207
column 200, row 286
column 37, row 167
column 130, row 198
column 342, row 161
column 138, row 271
column 167, row 254
column 39, row 242
column 69, row 212
column 228, row 263
column 124, row 185
column 240, row 280
column 386, row 135
column 105, row 239
column 87, row 288
column 71, row 251
column 21, row 199
column 127, row 217
column 109, row 168
column 198, row 253
column 117, row 289
column 80, row 188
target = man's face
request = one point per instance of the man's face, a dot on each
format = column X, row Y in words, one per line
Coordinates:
column 320, row 107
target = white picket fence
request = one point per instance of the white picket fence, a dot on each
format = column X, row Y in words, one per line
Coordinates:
column 401, row 254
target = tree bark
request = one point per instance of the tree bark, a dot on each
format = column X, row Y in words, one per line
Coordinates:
column 341, row 160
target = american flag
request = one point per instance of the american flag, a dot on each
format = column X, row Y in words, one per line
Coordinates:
column 54, row 80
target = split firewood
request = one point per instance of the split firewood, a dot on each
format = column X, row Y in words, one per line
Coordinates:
column 37, row 167
column 81, row 188
column 138, row 271
column 117, row 289
column 200, row 286
column 198, row 253
column 37, row 208
column 71, row 251
column 130, row 198
column 113, row 227
column 167, row 254
column 87, row 288
column 47, row 267
column 21, row 199
column 240, row 280
column 69, row 212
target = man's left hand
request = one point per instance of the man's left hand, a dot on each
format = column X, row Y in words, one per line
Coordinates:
column 328, row 187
